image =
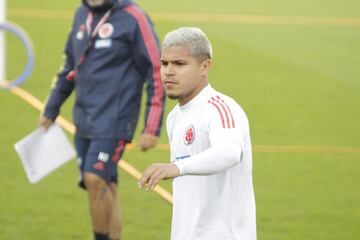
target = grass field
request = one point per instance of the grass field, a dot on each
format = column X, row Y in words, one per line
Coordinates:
column 298, row 81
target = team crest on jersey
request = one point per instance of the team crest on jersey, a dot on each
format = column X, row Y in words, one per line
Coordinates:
column 106, row 30
column 189, row 135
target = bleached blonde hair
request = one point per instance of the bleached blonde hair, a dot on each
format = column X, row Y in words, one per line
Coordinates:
column 192, row 38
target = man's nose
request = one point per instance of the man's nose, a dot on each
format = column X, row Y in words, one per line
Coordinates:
column 169, row 70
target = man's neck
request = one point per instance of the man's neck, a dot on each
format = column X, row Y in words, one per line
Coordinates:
column 193, row 94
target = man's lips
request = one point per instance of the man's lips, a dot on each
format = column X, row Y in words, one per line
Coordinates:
column 170, row 82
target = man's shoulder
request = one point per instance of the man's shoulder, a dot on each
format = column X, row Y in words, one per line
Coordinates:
column 217, row 105
column 129, row 16
column 227, row 100
column 214, row 100
column 81, row 11
column 172, row 114
column 170, row 119
column 134, row 11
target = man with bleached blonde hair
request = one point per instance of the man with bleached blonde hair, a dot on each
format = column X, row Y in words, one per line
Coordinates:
column 210, row 147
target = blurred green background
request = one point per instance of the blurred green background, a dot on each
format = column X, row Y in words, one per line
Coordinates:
column 297, row 78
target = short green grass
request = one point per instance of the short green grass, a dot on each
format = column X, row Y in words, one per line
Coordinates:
column 298, row 84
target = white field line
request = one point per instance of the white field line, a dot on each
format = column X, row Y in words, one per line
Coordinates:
column 34, row 102
column 282, row 149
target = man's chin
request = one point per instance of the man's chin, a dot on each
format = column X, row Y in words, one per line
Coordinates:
column 172, row 96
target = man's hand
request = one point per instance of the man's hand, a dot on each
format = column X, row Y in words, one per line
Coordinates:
column 147, row 141
column 156, row 172
column 45, row 122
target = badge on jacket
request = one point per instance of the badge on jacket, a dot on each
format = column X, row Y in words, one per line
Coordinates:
column 106, row 30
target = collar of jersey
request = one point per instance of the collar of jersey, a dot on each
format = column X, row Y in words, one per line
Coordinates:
column 193, row 101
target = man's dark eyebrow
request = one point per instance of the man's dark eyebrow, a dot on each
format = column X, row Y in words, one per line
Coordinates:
column 174, row 61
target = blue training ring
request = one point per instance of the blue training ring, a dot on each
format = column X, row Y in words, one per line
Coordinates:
column 22, row 35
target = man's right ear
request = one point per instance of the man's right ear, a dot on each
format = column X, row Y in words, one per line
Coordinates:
column 205, row 67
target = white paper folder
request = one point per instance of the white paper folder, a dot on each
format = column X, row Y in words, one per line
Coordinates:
column 43, row 152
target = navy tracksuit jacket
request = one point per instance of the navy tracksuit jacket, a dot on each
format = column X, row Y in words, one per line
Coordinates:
column 125, row 54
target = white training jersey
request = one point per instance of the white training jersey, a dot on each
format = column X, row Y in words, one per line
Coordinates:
column 218, row 205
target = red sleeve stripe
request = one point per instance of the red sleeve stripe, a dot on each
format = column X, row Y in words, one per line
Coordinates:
column 225, row 111
column 154, row 115
column 118, row 151
column 228, row 108
column 220, row 112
